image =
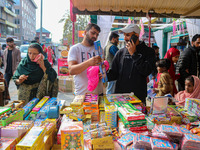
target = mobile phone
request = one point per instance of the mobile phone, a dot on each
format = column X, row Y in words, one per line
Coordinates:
column 37, row 57
column 133, row 38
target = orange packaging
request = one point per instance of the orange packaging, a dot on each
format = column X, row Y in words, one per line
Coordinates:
column 72, row 136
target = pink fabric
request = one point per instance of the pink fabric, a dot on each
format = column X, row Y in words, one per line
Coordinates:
column 93, row 76
column 180, row 96
column 49, row 55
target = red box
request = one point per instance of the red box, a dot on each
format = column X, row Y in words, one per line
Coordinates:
column 63, row 67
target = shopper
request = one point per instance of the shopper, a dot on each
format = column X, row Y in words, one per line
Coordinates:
column 33, row 76
column 173, row 55
column 189, row 62
column 83, row 55
column 132, row 65
column 192, row 90
column 50, row 54
column 165, row 84
column 11, row 58
column 109, row 52
column 4, row 94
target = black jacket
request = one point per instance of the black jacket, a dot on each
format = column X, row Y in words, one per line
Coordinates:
column 131, row 71
column 188, row 60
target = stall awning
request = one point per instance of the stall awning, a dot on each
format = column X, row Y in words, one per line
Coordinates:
column 161, row 8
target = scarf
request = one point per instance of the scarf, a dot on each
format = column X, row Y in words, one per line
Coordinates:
column 180, row 96
column 172, row 52
column 33, row 70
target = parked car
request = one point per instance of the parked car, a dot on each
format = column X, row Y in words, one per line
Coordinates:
column 24, row 50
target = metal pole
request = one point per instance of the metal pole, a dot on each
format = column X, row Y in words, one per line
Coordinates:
column 150, row 31
column 41, row 23
column 73, row 32
column 78, row 32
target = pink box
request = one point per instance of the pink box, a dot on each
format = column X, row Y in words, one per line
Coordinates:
column 63, row 67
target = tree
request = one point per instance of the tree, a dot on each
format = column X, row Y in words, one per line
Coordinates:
column 80, row 24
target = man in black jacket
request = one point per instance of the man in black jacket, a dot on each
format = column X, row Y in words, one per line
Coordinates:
column 189, row 61
column 131, row 65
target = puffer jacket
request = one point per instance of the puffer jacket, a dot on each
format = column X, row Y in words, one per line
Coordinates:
column 131, row 71
column 187, row 64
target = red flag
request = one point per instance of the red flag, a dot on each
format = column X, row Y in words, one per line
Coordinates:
column 72, row 15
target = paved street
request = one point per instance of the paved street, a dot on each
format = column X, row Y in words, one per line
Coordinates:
column 61, row 95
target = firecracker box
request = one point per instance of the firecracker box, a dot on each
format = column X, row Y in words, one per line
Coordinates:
column 63, row 69
column 66, row 84
column 32, row 139
column 134, row 123
column 111, row 115
column 8, row 143
column 77, row 101
column 56, row 147
column 129, row 111
column 16, row 128
column 192, row 105
column 91, row 98
column 72, row 136
column 29, row 106
column 16, row 104
column 40, row 104
column 103, row 143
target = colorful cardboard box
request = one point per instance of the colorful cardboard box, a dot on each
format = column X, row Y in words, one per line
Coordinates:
column 129, row 111
column 32, row 139
column 103, row 143
column 111, row 115
column 72, row 136
column 192, row 105
column 134, row 123
column 8, row 143
column 66, row 84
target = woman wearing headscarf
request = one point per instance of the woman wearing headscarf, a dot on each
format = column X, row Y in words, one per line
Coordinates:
column 50, row 54
column 35, row 76
column 192, row 90
column 173, row 55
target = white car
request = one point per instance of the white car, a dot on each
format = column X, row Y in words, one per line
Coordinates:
column 24, row 50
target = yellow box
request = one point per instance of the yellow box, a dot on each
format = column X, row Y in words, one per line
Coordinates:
column 32, row 139
column 103, row 143
column 72, row 136
column 56, row 147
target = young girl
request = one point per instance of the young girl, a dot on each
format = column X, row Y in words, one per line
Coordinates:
column 192, row 90
column 165, row 84
column 173, row 55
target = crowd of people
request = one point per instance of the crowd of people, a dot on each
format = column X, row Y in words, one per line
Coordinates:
column 131, row 66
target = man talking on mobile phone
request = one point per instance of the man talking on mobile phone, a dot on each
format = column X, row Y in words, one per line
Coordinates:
column 132, row 65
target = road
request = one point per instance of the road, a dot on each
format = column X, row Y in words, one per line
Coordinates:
column 61, row 95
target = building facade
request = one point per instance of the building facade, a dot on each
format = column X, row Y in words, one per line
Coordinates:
column 7, row 19
column 25, row 20
column 45, row 35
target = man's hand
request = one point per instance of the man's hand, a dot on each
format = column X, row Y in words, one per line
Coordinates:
column 22, row 78
column 94, row 61
column 131, row 47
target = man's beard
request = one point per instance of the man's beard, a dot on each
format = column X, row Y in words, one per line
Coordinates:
column 197, row 48
column 115, row 43
column 90, row 41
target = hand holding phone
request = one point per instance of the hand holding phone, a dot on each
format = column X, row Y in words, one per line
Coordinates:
column 37, row 57
column 133, row 38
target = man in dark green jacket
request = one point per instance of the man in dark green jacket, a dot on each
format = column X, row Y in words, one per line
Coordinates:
column 109, row 52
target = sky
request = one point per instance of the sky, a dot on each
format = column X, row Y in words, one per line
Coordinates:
column 53, row 11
